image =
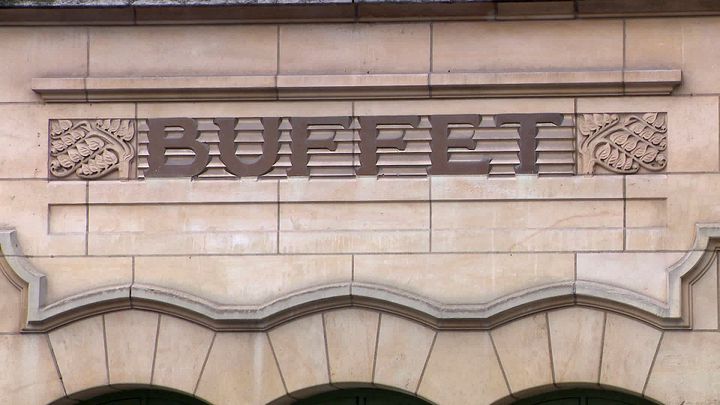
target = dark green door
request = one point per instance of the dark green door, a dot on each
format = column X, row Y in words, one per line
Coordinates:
column 143, row 397
column 362, row 397
column 584, row 397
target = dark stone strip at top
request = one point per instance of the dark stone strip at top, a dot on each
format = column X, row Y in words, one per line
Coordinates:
column 130, row 12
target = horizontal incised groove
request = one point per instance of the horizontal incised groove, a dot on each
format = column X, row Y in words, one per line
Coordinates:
column 352, row 86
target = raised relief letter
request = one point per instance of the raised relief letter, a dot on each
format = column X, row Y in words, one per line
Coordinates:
column 159, row 142
column 369, row 141
column 301, row 142
column 528, row 131
column 440, row 143
column 259, row 165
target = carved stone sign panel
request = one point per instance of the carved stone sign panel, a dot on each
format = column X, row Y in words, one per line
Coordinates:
column 276, row 147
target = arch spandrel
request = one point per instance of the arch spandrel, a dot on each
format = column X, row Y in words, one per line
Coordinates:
column 671, row 313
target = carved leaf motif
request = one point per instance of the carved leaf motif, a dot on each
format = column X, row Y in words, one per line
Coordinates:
column 90, row 149
column 603, row 152
column 623, row 145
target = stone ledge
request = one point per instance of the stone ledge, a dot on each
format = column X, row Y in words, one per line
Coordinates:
column 673, row 314
column 370, row 86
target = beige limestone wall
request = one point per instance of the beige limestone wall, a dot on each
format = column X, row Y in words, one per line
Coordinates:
column 457, row 240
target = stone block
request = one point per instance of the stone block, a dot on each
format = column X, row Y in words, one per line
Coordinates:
column 403, row 349
column 645, row 273
column 524, row 351
column 354, row 190
column 241, row 280
column 39, row 52
column 484, row 226
column 465, row 106
column 300, row 349
column 527, row 46
column 351, row 343
column 182, row 218
column 576, row 340
column 67, row 219
column 240, row 369
column 705, row 300
column 699, row 56
column 526, row 187
column 682, row 213
column 628, row 350
column 24, row 132
column 182, row 348
column 685, row 370
column 195, row 50
column 181, row 191
column 80, row 353
column 652, row 43
column 29, row 376
column 464, row 278
column 354, row 227
column 11, row 306
column 68, row 276
column 692, row 126
column 172, row 243
column 131, row 338
column 24, row 207
column 246, row 109
column 463, row 369
column 354, row 48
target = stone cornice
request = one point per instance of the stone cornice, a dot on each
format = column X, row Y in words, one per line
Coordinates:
column 65, row 12
column 368, row 86
column 673, row 314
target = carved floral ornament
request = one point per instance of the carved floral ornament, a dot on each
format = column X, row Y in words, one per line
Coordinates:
column 503, row 144
column 90, row 149
column 623, row 143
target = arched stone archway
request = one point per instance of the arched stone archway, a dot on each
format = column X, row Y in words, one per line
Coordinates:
column 584, row 397
column 143, row 396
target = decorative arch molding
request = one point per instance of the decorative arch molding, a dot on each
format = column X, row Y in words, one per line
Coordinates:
column 674, row 314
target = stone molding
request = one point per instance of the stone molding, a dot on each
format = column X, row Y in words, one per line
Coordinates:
column 127, row 12
column 675, row 314
column 369, row 86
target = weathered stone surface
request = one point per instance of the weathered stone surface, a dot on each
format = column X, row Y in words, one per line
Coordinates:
column 240, row 369
column 215, row 50
column 180, row 354
column 80, row 353
column 75, row 275
column 463, row 278
column 705, row 299
column 685, row 369
column 34, row 379
column 644, row 273
column 39, row 52
column 130, row 337
column 300, row 349
column 242, row 280
column 403, row 349
column 576, row 339
column 463, row 369
column 351, row 340
column 357, row 48
column 527, row 46
column 524, row 351
column 628, row 350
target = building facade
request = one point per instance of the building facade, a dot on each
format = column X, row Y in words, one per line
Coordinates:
column 471, row 202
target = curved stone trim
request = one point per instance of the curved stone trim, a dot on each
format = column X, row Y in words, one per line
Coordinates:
column 674, row 314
